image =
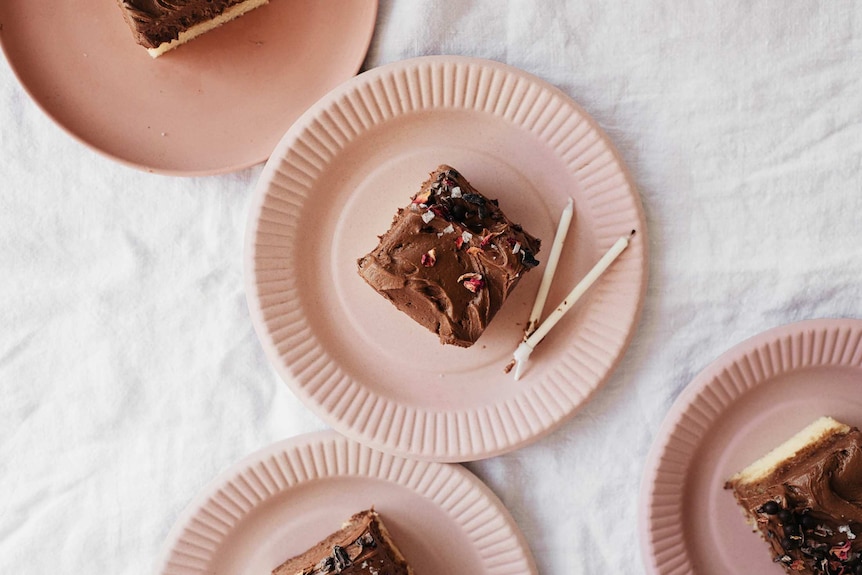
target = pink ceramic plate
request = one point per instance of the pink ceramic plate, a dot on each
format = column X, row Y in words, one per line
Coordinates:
column 745, row 403
column 280, row 501
column 334, row 184
column 217, row 104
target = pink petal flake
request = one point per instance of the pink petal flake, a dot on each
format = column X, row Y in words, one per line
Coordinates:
column 429, row 258
column 487, row 239
column 841, row 552
column 472, row 281
column 422, row 197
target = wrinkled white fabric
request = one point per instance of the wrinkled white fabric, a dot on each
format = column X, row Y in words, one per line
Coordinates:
column 130, row 374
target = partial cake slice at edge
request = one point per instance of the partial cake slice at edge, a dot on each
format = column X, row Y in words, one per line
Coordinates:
column 159, row 27
column 803, row 498
column 362, row 545
column 229, row 14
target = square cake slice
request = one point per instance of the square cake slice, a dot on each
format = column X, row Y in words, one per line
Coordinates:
column 161, row 25
column 450, row 258
column 805, row 498
column 362, row 546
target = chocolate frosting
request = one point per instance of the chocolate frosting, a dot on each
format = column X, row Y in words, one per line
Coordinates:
column 155, row 22
column 450, row 259
column 810, row 509
column 359, row 548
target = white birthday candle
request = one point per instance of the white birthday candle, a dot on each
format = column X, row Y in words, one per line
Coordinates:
column 550, row 268
column 522, row 353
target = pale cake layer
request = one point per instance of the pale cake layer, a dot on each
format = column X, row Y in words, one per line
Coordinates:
column 229, row 14
column 816, row 432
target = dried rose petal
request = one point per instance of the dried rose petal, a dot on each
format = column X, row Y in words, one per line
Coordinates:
column 459, row 242
column 487, row 239
column 841, row 551
column 475, row 284
column 422, row 197
column 429, row 258
column 472, row 281
column 440, row 211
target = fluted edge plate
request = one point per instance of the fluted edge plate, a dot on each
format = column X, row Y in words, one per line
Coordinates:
column 281, row 500
column 746, row 402
column 333, row 185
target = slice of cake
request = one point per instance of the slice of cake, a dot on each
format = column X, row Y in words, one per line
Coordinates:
column 805, row 498
column 161, row 25
column 362, row 546
column 450, row 258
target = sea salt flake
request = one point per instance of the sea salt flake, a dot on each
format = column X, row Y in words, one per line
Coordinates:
column 447, row 230
column 846, row 529
column 427, row 216
column 456, row 192
column 516, row 248
column 466, row 235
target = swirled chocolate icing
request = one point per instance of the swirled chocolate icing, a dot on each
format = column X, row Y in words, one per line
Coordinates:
column 450, row 258
column 154, row 22
column 362, row 546
column 809, row 507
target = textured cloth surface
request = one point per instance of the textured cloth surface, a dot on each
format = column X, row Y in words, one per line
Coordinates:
column 130, row 374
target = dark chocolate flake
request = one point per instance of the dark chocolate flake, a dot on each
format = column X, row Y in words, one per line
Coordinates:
column 326, row 565
column 459, row 212
column 367, row 540
column 442, row 211
column 342, row 559
column 474, row 199
column 528, row 259
column 770, row 508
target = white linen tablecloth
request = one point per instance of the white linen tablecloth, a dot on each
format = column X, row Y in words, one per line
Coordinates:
column 130, row 374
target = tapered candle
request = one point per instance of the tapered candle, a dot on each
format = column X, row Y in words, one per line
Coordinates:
column 522, row 353
column 550, row 268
